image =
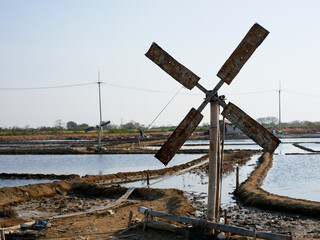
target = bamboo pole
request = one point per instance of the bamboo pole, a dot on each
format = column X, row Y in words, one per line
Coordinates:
column 213, row 159
column 212, row 225
column 218, row 183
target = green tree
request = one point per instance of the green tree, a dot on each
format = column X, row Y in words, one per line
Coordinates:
column 72, row 126
column 268, row 120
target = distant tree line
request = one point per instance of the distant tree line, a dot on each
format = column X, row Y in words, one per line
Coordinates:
column 133, row 126
column 272, row 121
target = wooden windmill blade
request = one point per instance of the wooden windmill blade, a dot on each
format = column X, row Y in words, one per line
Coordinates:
column 251, row 128
column 242, row 53
column 171, row 66
column 179, row 136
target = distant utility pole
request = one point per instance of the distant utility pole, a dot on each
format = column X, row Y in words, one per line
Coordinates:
column 280, row 131
column 100, row 131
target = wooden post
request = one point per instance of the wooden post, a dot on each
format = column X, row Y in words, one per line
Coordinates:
column 217, row 203
column 226, row 222
column 146, row 213
column 219, row 170
column 237, row 177
column 130, row 218
column 213, row 159
column 148, row 178
column 2, row 235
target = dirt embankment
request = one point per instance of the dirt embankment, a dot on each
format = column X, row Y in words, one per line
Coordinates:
column 89, row 136
column 38, row 176
column 14, row 195
column 251, row 193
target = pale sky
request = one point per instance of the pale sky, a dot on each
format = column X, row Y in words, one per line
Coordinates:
column 66, row 42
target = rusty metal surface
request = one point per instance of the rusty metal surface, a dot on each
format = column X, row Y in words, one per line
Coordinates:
column 242, row 53
column 179, row 136
column 171, row 66
column 249, row 126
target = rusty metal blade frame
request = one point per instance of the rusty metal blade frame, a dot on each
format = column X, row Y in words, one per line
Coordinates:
column 179, row 136
column 242, row 53
column 171, row 66
column 251, row 128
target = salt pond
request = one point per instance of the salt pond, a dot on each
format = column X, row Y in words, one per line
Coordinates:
column 291, row 165
column 198, row 184
column 291, row 175
column 295, row 176
column 93, row 164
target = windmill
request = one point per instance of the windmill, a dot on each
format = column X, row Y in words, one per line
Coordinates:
column 235, row 115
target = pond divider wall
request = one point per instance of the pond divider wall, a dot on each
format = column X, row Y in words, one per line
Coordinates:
column 12, row 195
column 251, row 193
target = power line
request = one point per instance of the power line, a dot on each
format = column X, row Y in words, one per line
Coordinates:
column 141, row 89
column 146, row 90
column 303, row 94
column 42, row 88
column 165, row 107
column 249, row 93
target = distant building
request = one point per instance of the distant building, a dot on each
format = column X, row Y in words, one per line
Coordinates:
column 230, row 128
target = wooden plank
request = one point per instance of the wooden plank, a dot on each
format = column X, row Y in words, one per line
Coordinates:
column 212, row 225
column 171, row 66
column 101, row 209
column 251, row 128
column 179, row 136
column 242, row 53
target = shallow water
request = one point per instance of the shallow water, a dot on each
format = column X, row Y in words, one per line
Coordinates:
column 296, row 176
column 199, row 183
column 313, row 146
column 286, row 171
column 92, row 164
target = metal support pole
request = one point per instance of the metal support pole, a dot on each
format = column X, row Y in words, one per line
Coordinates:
column 99, row 137
column 101, row 128
column 213, row 159
column 280, row 107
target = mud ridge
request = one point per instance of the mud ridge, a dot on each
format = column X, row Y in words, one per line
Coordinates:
column 143, row 174
column 304, row 148
column 9, row 196
column 37, row 176
column 251, row 193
